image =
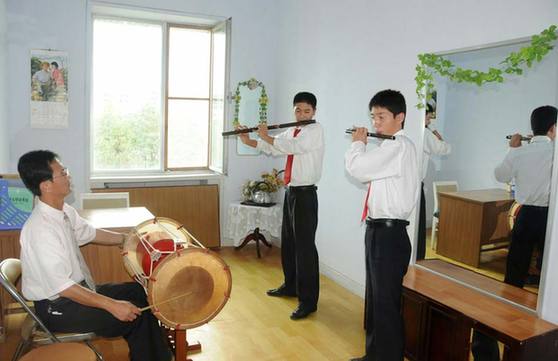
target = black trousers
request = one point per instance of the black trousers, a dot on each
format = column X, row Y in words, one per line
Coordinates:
column 388, row 251
column 143, row 335
column 299, row 255
column 421, row 242
column 528, row 231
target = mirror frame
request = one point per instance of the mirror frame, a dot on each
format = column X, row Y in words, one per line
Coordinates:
column 544, row 298
column 251, row 84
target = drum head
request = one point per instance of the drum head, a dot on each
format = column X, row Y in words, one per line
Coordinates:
column 189, row 288
column 158, row 232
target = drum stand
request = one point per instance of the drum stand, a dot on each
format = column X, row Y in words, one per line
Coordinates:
column 179, row 343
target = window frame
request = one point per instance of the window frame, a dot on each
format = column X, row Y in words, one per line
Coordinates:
column 165, row 19
column 166, row 97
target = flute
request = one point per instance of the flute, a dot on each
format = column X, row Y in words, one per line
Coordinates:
column 373, row 135
column 271, row 127
column 523, row 139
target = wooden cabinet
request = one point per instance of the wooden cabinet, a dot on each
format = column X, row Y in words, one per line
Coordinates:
column 195, row 206
column 440, row 314
column 469, row 220
column 9, row 248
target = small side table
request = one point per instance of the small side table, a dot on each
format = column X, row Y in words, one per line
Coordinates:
column 245, row 223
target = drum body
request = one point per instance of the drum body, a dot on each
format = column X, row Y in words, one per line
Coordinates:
column 187, row 285
column 512, row 214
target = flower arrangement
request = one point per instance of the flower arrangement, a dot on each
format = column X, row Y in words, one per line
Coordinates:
column 270, row 183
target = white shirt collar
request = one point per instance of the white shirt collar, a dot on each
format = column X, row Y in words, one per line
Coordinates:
column 540, row 139
column 51, row 211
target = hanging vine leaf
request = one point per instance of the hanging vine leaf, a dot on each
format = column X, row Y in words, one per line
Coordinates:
column 514, row 63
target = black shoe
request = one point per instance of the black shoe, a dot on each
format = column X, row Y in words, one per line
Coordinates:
column 281, row 292
column 302, row 312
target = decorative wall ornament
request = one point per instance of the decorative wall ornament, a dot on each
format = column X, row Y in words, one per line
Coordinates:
column 514, row 63
column 250, row 109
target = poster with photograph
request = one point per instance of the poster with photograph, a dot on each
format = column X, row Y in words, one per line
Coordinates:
column 49, row 89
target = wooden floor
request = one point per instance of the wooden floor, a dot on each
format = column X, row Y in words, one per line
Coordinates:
column 254, row 326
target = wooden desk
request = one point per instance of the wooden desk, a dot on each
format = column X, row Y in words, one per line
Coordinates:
column 470, row 219
column 439, row 315
column 105, row 262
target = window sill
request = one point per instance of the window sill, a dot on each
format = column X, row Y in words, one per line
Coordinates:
column 157, row 179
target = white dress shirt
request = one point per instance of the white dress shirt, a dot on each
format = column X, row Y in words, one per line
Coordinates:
column 391, row 166
column 530, row 166
column 50, row 256
column 307, row 148
column 432, row 146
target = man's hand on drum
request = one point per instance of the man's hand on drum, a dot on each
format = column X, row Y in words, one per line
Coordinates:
column 124, row 310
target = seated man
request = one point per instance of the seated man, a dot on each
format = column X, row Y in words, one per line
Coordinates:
column 56, row 277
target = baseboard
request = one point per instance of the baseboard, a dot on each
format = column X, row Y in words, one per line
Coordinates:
column 342, row 280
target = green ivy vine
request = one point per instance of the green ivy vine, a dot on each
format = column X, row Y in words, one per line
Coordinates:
column 514, row 63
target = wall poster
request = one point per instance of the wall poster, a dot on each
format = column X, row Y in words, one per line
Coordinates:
column 49, row 89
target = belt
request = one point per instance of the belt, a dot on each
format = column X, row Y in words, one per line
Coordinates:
column 311, row 187
column 386, row 222
column 542, row 208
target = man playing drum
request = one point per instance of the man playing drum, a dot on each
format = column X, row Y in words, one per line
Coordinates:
column 56, row 278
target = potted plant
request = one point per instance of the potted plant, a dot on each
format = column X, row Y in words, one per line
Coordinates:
column 261, row 191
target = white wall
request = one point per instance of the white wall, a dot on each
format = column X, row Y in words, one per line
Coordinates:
column 61, row 25
column 4, row 141
column 345, row 52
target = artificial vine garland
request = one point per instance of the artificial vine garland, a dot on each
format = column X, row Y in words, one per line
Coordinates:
column 512, row 64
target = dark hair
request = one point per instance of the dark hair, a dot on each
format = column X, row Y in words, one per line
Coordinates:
column 429, row 108
column 542, row 119
column 305, row 97
column 34, row 168
column 55, row 64
column 392, row 100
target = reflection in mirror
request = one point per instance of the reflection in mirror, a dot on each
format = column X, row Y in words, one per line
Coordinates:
column 470, row 211
column 250, row 109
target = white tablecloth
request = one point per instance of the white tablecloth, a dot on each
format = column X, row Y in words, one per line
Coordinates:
column 242, row 220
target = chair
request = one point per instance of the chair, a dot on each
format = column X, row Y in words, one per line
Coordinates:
column 442, row 186
column 62, row 351
column 104, row 200
column 33, row 330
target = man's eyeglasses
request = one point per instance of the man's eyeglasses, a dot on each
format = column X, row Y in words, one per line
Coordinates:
column 63, row 173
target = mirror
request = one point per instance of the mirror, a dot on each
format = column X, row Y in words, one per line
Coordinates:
column 468, row 224
column 250, row 109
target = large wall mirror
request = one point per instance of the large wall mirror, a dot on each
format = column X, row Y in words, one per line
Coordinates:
column 250, row 109
column 467, row 210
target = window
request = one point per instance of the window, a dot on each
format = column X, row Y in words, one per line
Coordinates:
column 158, row 95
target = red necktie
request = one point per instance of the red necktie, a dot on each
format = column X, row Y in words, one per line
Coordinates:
column 289, row 165
column 365, row 210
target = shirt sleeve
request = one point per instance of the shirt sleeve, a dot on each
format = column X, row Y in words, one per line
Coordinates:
column 309, row 139
column 504, row 171
column 378, row 163
column 435, row 146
